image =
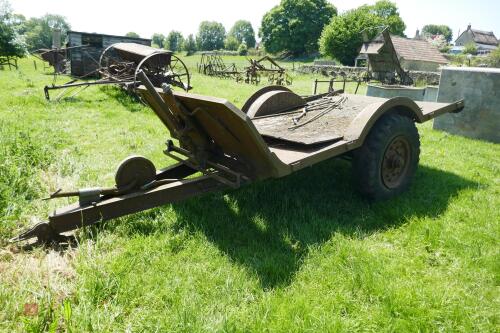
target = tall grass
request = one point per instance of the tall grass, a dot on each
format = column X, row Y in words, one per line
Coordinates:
column 300, row 254
column 23, row 155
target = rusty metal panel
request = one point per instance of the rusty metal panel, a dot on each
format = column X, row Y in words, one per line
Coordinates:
column 327, row 128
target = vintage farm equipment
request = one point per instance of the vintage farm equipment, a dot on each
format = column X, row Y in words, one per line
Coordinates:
column 211, row 64
column 275, row 134
column 121, row 62
column 11, row 62
column 275, row 73
column 56, row 57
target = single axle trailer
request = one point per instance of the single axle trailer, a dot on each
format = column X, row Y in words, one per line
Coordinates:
column 218, row 146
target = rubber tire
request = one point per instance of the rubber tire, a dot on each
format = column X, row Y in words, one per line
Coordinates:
column 367, row 160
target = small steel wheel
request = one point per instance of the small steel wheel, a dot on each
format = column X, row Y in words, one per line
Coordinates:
column 134, row 172
column 386, row 163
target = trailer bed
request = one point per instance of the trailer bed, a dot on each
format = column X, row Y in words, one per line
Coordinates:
column 330, row 127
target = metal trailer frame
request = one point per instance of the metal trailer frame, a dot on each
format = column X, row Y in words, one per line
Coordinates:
column 221, row 147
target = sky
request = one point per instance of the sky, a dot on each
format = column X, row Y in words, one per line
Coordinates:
column 149, row 16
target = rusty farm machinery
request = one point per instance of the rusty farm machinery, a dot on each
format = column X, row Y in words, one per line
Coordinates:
column 276, row 133
column 275, row 73
column 211, row 64
column 120, row 63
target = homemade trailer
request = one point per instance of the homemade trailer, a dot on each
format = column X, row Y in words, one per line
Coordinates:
column 275, row 134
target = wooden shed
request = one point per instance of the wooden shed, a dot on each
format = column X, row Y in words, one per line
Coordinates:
column 388, row 55
column 84, row 61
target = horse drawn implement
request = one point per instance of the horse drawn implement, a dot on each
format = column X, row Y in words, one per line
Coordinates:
column 121, row 62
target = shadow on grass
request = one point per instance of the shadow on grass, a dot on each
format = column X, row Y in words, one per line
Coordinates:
column 269, row 226
column 129, row 101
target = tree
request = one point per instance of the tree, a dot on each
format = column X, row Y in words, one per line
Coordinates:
column 39, row 30
column 493, row 58
column 190, row 45
column 211, row 36
column 388, row 14
column 11, row 44
column 295, row 25
column 132, row 34
column 243, row 49
column 231, row 43
column 470, row 48
column 243, row 31
column 343, row 37
column 174, row 41
column 434, row 29
column 158, row 40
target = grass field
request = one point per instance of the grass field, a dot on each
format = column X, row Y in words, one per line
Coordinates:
column 299, row 254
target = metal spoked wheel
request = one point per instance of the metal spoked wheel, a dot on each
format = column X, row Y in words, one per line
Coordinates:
column 395, row 162
column 164, row 67
column 113, row 66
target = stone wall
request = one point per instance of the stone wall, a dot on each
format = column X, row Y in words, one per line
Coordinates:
column 479, row 88
column 428, row 78
column 332, row 70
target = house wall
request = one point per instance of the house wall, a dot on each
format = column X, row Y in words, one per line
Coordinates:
column 465, row 39
column 414, row 65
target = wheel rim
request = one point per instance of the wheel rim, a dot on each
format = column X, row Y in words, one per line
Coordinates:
column 395, row 162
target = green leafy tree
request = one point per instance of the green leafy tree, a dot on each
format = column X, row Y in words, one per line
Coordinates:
column 211, row 36
column 387, row 13
column 343, row 37
column 231, row 43
column 158, row 40
column 470, row 48
column 243, row 49
column 174, row 41
column 132, row 34
column 11, row 44
column 190, row 45
column 295, row 25
column 434, row 29
column 493, row 58
column 243, row 31
column 39, row 30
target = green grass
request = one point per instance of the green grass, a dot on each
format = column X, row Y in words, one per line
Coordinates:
column 298, row 254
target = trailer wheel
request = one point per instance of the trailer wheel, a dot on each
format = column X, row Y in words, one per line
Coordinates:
column 386, row 163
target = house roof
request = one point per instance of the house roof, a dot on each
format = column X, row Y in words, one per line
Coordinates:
column 106, row 35
column 408, row 49
column 416, row 49
column 484, row 37
column 373, row 47
column 481, row 36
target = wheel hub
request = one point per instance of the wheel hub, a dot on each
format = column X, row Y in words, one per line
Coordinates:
column 395, row 162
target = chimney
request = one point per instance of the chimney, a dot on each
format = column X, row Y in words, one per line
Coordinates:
column 469, row 26
column 417, row 34
column 56, row 38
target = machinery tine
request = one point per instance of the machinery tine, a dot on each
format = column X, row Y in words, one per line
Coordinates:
column 44, row 234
